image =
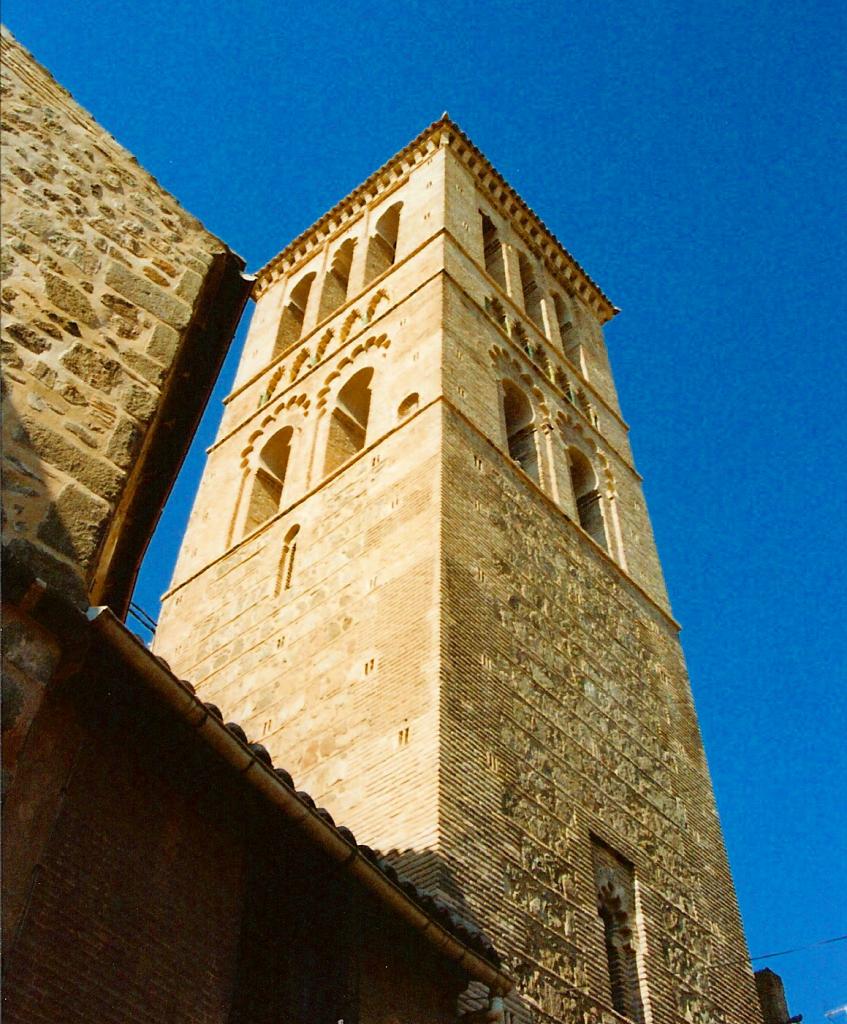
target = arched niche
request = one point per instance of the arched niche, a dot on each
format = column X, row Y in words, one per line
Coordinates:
column 348, row 424
column 520, row 429
column 268, row 479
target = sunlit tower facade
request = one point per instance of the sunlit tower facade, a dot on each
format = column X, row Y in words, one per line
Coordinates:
column 420, row 570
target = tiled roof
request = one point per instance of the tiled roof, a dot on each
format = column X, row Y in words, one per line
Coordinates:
column 466, row 933
column 457, row 939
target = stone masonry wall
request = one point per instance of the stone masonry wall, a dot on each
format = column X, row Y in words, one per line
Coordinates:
column 337, row 676
column 566, row 712
column 383, row 328
column 337, row 672
column 463, row 220
column 477, row 357
column 479, row 352
column 102, row 279
column 457, row 667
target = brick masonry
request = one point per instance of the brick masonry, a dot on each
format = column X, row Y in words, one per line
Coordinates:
column 450, row 660
column 145, row 877
column 155, row 885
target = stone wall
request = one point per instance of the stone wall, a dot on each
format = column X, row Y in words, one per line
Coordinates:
column 455, row 664
column 352, row 641
column 111, row 295
column 572, row 405
column 566, row 712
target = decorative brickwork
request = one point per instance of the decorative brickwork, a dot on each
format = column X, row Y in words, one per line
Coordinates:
column 614, row 881
column 477, row 614
column 158, row 868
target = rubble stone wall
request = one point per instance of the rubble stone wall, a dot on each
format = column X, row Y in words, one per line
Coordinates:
column 103, row 278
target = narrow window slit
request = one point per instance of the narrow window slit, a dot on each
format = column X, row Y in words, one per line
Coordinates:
column 285, row 571
column 614, row 879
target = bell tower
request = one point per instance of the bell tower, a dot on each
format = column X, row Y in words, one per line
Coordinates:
column 420, row 570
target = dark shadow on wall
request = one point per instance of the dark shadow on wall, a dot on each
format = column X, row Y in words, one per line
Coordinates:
column 52, row 537
column 431, row 872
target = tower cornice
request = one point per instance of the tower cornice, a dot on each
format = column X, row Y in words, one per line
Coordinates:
column 445, row 132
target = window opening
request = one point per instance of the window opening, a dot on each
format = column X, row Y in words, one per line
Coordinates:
column 348, row 424
column 563, row 316
column 531, row 291
column 294, row 315
column 286, row 562
column 520, row 430
column 408, row 405
column 586, row 494
column 337, row 279
column 492, row 249
column 266, row 493
column 382, row 247
column 573, row 353
column 615, row 886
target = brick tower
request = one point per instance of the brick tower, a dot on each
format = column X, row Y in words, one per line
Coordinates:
column 420, row 570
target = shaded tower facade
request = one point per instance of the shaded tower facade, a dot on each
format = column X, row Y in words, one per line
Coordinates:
column 420, row 570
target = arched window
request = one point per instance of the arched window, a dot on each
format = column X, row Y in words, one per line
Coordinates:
column 574, row 354
column 382, row 247
column 348, row 425
column 563, row 315
column 291, row 322
column 589, row 506
column 573, row 349
column 334, row 293
column 520, row 430
column 266, row 492
column 492, row 249
column 531, row 292
column 286, row 562
column 615, row 884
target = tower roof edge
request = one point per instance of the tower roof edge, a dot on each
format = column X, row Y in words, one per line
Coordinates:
column 444, row 131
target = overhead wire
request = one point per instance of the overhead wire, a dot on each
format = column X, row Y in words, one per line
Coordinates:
column 782, row 952
column 146, row 620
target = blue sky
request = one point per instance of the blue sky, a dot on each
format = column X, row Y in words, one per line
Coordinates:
column 690, row 155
